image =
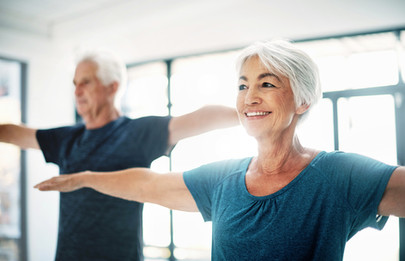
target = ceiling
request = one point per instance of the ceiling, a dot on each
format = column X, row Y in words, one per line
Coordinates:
column 144, row 30
column 48, row 17
column 43, row 16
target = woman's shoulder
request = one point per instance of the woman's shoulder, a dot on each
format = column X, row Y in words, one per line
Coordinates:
column 345, row 161
column 340, row 156
column 225, row 167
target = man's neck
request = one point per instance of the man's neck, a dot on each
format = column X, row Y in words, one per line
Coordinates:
column 100, row 120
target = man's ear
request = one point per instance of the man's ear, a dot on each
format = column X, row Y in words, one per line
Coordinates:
column 303, row 108
column 113, row 87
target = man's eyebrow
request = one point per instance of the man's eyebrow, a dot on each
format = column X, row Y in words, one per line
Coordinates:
column 244, row 78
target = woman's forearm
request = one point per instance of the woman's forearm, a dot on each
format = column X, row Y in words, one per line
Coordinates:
column 137, row 184
column 127, row 184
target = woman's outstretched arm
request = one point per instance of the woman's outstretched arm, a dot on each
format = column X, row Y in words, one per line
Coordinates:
column 393, row 201
column 137, row 184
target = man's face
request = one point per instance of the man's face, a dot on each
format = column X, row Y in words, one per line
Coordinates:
column 91, row 95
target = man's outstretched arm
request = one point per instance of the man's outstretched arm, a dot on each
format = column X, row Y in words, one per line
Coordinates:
column 207, row 118
column 19, row 135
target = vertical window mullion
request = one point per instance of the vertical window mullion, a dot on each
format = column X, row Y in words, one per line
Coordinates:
column 400, row 129
column 335, row 123
column 169, row 108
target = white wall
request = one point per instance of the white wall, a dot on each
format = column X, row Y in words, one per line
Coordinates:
column 170, row 30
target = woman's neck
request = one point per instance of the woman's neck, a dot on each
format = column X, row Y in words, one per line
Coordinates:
column 282, row 155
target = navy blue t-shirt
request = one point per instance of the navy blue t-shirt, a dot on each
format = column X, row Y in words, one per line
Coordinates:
column 311, row 218
column 94, row 226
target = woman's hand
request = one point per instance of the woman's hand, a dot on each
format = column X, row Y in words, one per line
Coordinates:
column 137, row 184
column 62, row 183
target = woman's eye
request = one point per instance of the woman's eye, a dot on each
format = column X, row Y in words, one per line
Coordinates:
column 242, row 87
column 267, row 85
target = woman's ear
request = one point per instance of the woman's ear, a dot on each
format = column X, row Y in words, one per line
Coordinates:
column 303, row 108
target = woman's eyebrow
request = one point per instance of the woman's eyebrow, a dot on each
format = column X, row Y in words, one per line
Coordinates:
column 261, row 76
column 264, row 75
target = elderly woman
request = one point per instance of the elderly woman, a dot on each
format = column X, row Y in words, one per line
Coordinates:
column 289, row 202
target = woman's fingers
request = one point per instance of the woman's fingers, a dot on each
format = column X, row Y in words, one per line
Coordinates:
column 60, row 183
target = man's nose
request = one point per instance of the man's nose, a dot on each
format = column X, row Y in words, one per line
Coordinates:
column 78, row 90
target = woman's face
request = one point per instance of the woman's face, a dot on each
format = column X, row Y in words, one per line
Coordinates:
column 265, row 100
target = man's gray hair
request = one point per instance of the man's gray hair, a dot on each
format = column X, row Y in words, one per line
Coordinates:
column 109, row 68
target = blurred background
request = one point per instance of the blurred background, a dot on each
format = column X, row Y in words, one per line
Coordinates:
column 182, row 53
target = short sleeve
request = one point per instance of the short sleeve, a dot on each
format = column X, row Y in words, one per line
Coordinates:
column 200, row 185
column 53, row 142
column 154, row 133
column 362, row 181
column 203, row 182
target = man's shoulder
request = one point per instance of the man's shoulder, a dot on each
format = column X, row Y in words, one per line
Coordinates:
column 146, row 122
column 63, row 129
column 151, row 118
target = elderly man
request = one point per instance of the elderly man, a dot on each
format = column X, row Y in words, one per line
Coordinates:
column 94, row 226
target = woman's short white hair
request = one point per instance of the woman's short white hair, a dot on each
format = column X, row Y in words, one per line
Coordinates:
column 285, row 58
column 110, row 68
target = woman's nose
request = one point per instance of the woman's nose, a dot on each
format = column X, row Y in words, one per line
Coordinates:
column 252, row 96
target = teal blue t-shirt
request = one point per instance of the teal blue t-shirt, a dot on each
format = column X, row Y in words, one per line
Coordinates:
column 311, row 218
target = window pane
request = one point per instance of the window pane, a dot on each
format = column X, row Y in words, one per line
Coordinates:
column 156, row 225
column 331, row 71
column 370, row 69
column 367, row 126
column 198, row 81
column 10, row 214
column 202, row 80
column 146, row 93
column 317, row 130
column 156, row 221
column 191, row 236
column 355, row 62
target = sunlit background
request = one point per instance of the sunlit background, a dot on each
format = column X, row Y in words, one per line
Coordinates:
column 366, row 125
column 180, row 57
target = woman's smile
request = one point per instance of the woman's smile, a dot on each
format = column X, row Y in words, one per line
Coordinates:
column 257, row 114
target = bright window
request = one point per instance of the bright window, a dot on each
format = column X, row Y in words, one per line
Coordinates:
column 11, row 207
column 367, row 126
column 197, row 81
column 351, row 117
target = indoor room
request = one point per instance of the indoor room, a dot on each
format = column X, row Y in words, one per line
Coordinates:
column 181, row 56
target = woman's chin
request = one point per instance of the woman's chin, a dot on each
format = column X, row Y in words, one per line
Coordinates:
column 253, row 132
